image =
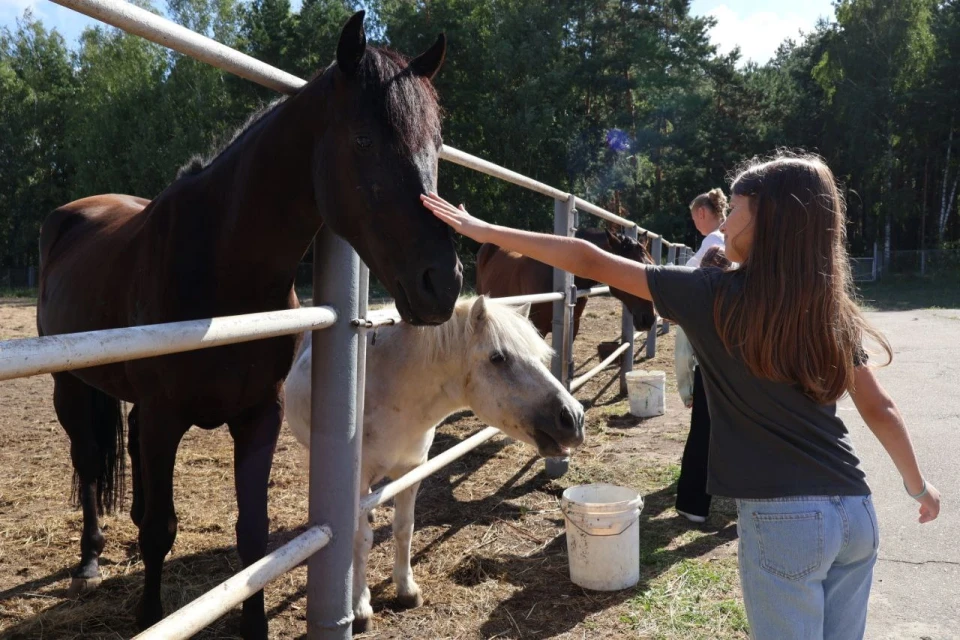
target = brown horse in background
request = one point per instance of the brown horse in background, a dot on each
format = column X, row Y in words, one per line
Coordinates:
column 352, row 149
column 503, row 273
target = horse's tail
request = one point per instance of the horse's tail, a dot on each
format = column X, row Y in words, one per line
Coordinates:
column 108, row 431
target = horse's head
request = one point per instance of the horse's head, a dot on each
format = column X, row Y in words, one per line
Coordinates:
column 508, row 385
column 378, row 153
column 644, row 316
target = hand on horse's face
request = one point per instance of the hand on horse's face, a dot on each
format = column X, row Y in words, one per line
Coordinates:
column 457, row 217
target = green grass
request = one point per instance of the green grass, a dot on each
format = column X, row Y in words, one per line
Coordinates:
column 903, row 293
column 18, row 292
column 693, row 598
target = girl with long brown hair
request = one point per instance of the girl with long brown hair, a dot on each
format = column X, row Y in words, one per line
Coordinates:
column 780, row 339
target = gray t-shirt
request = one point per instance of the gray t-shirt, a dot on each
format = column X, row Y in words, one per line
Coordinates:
column 767, row 439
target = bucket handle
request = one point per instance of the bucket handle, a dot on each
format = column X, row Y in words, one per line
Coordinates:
column 573, row 520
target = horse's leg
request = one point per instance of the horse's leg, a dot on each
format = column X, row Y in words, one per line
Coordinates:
column 133, row 448
column 85, row 413
column 255, row 439
column 408, row 591
column 159, row 436
column 362, row 543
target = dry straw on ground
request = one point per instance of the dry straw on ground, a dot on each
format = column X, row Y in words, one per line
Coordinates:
column 489, row 550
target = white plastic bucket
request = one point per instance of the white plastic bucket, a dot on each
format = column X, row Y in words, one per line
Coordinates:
column 603, row 536
column 645, row 389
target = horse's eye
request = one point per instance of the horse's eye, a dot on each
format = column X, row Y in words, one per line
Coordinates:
column 364, row 142
column 498, row 357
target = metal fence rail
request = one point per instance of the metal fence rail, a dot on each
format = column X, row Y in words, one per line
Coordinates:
column 49, row 354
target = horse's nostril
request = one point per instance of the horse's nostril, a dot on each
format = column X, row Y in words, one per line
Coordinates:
column 568, row 421
column 426, row 283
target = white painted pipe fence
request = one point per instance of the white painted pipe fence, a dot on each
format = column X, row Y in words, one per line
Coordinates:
column 49, row 354
column 192, row 618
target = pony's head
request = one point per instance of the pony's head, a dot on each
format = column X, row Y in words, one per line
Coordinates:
column 378, row 152
column 508, row 385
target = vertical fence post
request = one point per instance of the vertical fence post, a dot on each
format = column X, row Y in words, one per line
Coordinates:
column 656, row 251
column 562, row 328
column 672, row 255
column 334, row 439
column 626, row 332
column 877, row 270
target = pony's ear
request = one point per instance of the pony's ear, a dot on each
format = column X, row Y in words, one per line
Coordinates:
column 478, row 312
column 524, row 310
column 352, row 45
column 428, row 63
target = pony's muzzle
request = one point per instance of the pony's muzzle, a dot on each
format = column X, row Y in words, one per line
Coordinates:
column 569, row 425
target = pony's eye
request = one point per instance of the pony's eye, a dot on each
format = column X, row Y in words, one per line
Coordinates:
column 498, row 357
column 364, row 142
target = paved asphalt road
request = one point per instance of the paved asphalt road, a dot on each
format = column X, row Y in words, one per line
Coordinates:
column 916, row 593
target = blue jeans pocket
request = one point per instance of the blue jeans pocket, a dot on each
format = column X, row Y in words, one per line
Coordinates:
column 872, row 516
column 791, row 544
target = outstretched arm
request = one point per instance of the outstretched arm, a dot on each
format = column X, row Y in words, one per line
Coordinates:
column 883, row 418
column 569, row 254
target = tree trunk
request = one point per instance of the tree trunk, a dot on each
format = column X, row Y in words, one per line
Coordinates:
column 888, row 209
column 946, row 203
column 923, row 204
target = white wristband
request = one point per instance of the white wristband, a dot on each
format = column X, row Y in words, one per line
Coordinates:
column 922, row 493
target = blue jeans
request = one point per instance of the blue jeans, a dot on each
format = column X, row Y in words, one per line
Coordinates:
column 806, row 564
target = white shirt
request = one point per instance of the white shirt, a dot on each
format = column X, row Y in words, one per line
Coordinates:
column 713, row 240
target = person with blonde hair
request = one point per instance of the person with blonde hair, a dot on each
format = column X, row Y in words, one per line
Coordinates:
column 708, row 211
column 779, row 339
column 693, row 500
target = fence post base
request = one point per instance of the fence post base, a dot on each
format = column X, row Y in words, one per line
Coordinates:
column 335, row 439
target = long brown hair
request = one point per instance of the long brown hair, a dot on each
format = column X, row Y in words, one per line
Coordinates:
column 790, row 310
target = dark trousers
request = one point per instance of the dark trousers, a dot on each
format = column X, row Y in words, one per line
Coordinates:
column 692, row 496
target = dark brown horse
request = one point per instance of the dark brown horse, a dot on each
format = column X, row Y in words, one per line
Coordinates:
column 505, row 273
column 353, row 149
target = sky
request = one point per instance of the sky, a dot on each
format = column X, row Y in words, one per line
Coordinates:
column 757, row 26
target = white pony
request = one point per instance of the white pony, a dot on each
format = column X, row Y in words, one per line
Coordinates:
column 489, row 358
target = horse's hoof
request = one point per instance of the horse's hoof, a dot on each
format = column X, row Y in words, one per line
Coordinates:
column 410, row 600
column 82, row 586
column 255, row 627
column 362, row 625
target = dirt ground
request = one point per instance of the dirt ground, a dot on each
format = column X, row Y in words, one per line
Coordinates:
column 489, row 547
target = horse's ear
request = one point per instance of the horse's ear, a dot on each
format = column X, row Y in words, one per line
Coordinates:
column 352, row 45
column 478, row 312
column 613, row 239
column 428, row 63
column 524, row 310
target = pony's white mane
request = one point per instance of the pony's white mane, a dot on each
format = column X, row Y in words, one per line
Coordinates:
column 504, row 329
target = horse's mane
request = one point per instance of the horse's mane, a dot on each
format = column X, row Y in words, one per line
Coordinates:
column 505, row 330
column 198, row 162
column 406, row 102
